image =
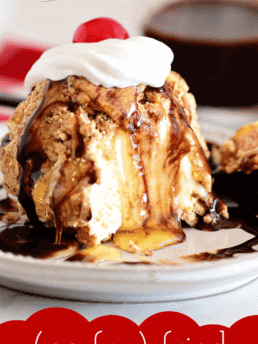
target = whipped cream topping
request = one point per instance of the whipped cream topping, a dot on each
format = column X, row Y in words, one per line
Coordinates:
column 110, row 63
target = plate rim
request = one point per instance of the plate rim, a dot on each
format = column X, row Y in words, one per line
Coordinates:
column 239, row 265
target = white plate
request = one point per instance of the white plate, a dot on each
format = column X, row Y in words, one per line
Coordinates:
column 116, row 282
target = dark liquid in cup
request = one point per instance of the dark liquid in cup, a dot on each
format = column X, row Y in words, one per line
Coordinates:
column 215, row 46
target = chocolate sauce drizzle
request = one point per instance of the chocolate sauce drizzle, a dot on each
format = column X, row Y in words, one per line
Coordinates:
column 178, row 148
column 241, row 189
column 31, row 157
column 27, row 240
column 237, row 216
column 133, row 125
column 38, row 241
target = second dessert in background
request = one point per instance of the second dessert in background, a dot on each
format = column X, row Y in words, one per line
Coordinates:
column 236, row 161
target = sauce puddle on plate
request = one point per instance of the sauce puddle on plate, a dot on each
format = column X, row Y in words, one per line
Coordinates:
column 20, row 237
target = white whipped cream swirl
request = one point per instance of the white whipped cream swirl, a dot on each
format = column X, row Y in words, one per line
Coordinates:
column 110, row 63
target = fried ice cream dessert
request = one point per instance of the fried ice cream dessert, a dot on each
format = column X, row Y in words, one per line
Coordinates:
column 110, row 162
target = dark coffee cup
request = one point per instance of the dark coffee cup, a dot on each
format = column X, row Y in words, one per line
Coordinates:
column 215, row 44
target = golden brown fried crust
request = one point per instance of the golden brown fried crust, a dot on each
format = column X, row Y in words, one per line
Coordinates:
column 105, row 106
column 179, row 91
column 88, row 112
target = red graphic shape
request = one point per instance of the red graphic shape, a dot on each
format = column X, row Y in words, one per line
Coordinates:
column 244, row 331
column 64, row 326
column 57, row 326
column 112, row 329
column 213, row 334
column 170, row 328
column 13, row 332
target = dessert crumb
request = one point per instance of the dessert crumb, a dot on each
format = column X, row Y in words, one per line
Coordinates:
column 149, row 253
column 11, row 217
column 133, row 248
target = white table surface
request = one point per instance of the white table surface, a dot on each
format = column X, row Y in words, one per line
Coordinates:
column 224, row 309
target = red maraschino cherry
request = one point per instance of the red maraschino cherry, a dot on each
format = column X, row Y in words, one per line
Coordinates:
column 99, row 29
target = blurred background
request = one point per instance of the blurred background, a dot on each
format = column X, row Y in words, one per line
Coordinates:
column 215, row 42
column 55, row 21
column 28, row 27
